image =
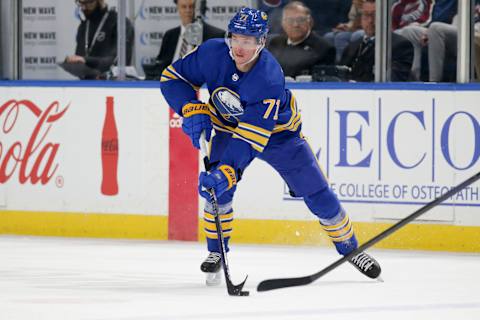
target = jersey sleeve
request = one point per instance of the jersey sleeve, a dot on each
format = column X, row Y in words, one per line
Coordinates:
column 181, row 80
column 253, row 132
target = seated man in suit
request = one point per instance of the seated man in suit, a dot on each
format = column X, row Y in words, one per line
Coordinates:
column 300, row 48
column 174, row 44
column 360, row 55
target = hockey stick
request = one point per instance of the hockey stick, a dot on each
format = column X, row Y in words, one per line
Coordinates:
column 272, row 284
column 233, row 290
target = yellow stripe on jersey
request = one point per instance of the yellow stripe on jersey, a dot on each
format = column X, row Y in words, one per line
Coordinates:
column 253, row 144
column 171, row 74
column 294, row 121
column 256, row 138
column 213, row 226
column 337, row 226
column 218, row 125
column 251, row 127
column 341, row 231
column 210, row 227
column 345, row 237
column 223, row 217
column 212, row 234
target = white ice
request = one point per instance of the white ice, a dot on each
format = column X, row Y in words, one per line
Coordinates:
column 62, row 278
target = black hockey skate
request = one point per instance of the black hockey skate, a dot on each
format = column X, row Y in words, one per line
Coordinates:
column 366, row 265
column 212, row 266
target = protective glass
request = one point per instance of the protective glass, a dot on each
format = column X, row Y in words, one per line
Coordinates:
column 296, row 20
column 244, row 42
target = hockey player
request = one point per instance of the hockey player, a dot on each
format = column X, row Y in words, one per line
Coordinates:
column 254, row 116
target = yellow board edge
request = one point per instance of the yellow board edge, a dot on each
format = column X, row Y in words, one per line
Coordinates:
column 435, row 237
column 94, row 225
column 432, row 237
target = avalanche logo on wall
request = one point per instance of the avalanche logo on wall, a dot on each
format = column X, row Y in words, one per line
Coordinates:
column 227, row 102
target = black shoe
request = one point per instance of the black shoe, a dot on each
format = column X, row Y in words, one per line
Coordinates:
column 212, row 263
column 366, row 265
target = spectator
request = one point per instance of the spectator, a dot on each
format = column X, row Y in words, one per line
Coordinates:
column 327, row 14
column 443, row 11
column 406, row 12
column 97, row 38
column 441, row 39
column 345, row 32
column 174, row 44
column 301, row 48
column 360, row 55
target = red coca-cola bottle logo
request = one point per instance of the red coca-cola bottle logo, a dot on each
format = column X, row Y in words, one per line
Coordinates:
column 109, row 150
column 35, row 158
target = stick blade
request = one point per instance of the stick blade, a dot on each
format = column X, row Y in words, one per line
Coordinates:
column 236, row 290
column 272, row 284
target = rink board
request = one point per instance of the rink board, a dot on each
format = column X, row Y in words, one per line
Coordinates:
column 387, row 150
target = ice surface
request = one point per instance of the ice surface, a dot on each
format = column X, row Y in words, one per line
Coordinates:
column 61, row 278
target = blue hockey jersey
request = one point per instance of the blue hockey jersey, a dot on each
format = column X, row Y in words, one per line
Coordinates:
column 254, row 107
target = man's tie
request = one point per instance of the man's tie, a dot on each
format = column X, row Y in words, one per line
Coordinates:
column 366, row 44
column 183, row 47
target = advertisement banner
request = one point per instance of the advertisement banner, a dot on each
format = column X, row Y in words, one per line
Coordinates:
column 114, row 162
column 385, row 153
column 84, row 150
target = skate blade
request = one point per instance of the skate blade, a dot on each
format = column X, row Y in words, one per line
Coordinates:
column 379, row 279
column 213, row 279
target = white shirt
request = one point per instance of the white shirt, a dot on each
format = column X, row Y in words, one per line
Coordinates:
column 291, row 43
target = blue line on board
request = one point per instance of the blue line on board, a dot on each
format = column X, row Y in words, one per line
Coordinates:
column 433, row 139
column 379, row 139
column 416, row 86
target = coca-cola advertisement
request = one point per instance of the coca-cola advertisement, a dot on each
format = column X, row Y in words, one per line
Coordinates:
column 28, row 157
column 88, row 150
column 109, row 151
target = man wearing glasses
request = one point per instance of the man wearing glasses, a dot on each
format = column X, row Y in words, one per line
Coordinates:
column 359, row 55
column 97, row 38
column 300, row 48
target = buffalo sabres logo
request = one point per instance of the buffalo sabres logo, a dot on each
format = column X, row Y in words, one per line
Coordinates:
column 227, row 102
column 235, row 77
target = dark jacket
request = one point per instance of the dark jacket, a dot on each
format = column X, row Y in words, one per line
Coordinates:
column 170, row 39
column 299, row 59
column 102, row 54
column 361, row 58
